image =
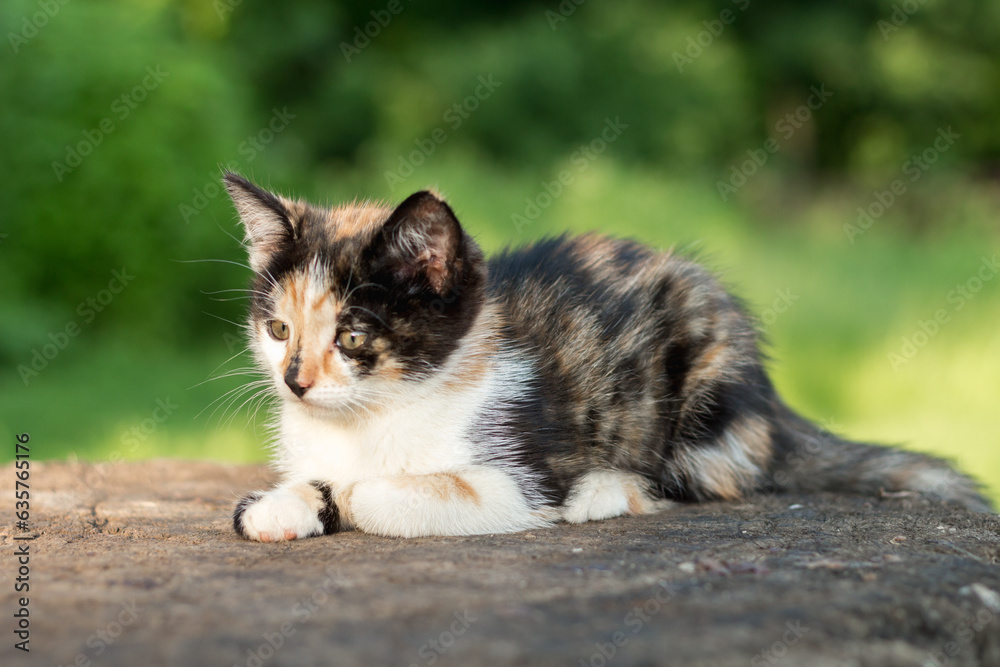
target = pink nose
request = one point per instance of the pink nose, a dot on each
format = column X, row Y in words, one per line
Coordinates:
column 298, row 387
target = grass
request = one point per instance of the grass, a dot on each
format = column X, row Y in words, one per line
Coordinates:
column 111, row 402
column 834, row 311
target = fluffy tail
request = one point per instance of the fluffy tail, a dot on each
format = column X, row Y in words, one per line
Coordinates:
column 808, row 458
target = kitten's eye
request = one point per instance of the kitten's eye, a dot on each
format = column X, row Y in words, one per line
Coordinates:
column 277, row 329
column 351, row 341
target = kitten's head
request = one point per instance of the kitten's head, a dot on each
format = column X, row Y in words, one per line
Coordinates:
column 355, row 306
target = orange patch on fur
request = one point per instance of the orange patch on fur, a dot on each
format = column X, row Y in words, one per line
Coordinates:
column 443, row 486
column 755, row 434
column 478, row 361
column 310, row 494
column 720, row 480
column 343, row 498
column 308, row 372
column 710, row 364
column 635, row 500
column 331, row 369
column 296, row 208
column 319, row 303
column 312, row 321
column 470, row 375
column 592, row 248
column 357, row 220
column 461, row 488
column 390, row 371
column 732, row 466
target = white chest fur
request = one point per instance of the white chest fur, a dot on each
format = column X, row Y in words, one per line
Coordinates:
column 419, row 435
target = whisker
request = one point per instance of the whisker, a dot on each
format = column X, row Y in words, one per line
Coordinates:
column 237, row 391
column 235, row 324
column 266, row 274
column 211, row 376
column 231, row 289
column 229, row 374
column 210, row 259
column 350, row 291
column 384, row 323
column 229, row 403
column 225, row 231
column 265, row 398
column 253, row 397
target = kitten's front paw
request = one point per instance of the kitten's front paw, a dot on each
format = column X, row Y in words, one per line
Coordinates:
column 275, row 516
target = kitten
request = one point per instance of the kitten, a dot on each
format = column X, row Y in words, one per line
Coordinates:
column 427, row 391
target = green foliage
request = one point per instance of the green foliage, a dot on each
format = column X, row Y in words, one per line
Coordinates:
column 82, row 93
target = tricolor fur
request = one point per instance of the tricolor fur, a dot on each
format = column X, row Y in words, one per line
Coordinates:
column 427, row 391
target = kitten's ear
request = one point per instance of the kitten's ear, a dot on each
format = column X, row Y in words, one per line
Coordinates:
column 423, row 237
column 264, row 217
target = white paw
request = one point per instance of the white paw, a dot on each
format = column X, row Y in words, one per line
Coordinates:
column 279, row 515
column 603, row 494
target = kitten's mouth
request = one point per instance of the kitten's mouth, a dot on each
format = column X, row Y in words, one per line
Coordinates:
column 324, row 401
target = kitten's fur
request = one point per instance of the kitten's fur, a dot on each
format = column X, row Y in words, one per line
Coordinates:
column 579, row 378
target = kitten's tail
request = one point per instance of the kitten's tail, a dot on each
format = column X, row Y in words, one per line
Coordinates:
column 808, row 458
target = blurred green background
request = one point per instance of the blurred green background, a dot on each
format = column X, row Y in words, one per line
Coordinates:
column 837, row 163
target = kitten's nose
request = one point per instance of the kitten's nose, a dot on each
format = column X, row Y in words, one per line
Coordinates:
column 298, row 388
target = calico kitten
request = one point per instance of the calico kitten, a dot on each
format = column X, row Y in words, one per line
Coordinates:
column 427, row 391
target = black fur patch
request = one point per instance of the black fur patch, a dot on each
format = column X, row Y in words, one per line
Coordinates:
column 642, row 330
column 241, row 507
column 330, row 514
column 521, row 433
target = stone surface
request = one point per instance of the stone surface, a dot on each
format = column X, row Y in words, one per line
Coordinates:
column 137, row 564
